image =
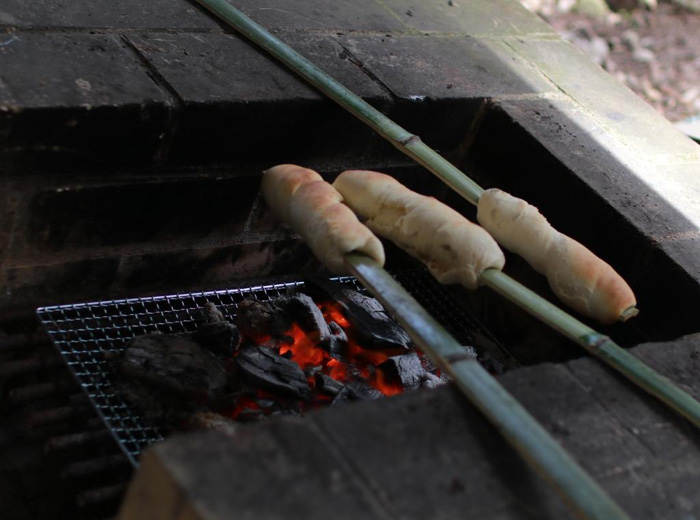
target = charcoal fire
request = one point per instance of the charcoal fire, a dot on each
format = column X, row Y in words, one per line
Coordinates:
column 264, row 368
column 286, row 355
column 217, row 334
column 174, row 364
column 374, row 327
column 169, row 376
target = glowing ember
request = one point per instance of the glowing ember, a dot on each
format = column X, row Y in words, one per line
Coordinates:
column 308, row 354
column 303, row 350
column 347, row 363
column 333, row 312
column 244, row 404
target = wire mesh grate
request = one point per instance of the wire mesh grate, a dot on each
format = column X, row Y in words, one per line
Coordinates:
column 84, row 332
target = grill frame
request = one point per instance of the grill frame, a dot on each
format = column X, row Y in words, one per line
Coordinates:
column 83, row 332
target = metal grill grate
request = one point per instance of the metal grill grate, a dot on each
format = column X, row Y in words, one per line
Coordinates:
column 84, row 332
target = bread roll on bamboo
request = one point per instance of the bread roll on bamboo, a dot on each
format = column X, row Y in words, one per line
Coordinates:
column 314, row 209
column 454, row 249
column 578, row 277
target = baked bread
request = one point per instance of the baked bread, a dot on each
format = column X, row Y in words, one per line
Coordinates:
column 454, row 249
column 314, row 209
column 577, row 276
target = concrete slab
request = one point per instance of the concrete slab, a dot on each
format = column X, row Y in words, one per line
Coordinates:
column 236, row 103
column 495, row 17
column 83, row 95
column 430, row 454
column 418, row 67
column 633, row 131
column 339, row 15
column 104, row 14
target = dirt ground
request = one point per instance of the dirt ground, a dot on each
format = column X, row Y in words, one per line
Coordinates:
column 655, row 52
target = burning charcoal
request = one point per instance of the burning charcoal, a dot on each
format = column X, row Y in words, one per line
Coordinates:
column 432, row 381
column 373, row 326
column 357, row 391
column 212, row 314
column 338, row 341
column 269, row 371
column 328, row 385
column 175, row 364
column 258, row 319
column 275, row 344
column 302, row 309
column 312, row 371
column 209, row 421
column 406, row 368
column 266, row 403
column 217, row 334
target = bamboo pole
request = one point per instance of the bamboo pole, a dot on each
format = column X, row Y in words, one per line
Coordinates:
column 402, row 139
column 598, row 345
column 517, row 426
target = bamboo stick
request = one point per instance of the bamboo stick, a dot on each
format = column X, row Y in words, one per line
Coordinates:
column 518, row 427
column 598, row 345
column 402, row 139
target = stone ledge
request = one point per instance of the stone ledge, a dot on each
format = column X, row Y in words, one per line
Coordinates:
column 190, row 120
column 564, row 161
column 497, row 17
column 430, row 454
column 84, row 96
column 493, row 17
column 123, row 275
column 104, row 14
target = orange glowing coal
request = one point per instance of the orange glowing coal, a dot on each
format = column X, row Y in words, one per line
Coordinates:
column 303, row 348
column 308, row 354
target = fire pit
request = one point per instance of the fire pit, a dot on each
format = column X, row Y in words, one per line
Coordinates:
column 89, row 335
column 129, row 123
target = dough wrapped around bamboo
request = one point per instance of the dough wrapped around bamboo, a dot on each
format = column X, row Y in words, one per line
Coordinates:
column 454, row 249
column 577, row 276
column 314, row 209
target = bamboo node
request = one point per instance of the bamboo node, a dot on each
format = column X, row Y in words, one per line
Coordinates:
column 410, row 140
column 595, row 341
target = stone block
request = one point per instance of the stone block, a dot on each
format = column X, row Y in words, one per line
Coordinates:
column 582, row 147
column 239, row 104
column 84, row 97
column 178, row 211
column 626, row 118
column 475, row 17
column 9, row 201
column 285, row 468
column 559, row 159
column 423, row 451
column 66, row 282
column 431, row 454
column 104, row 14
column 441, row 83
column 81, row 276
column 581, row 424
column 339, row 15
column 684, row 250
column 631, row 133
column 659, row 430
column 163, row 501
column 415, row 68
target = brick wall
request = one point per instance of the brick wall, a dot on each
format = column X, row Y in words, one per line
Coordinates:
column 132, row 135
